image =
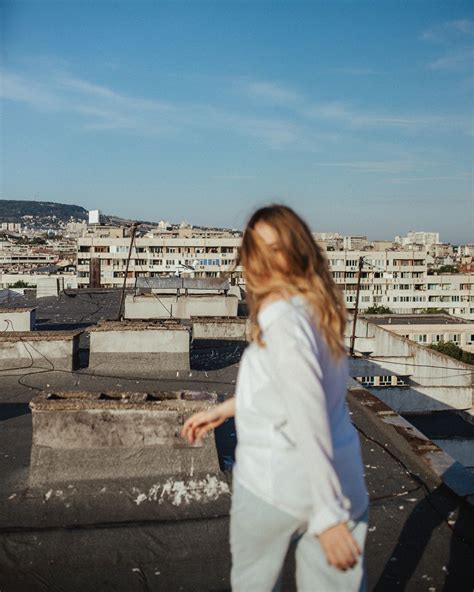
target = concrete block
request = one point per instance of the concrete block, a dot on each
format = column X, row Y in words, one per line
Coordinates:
column 183, row 283
column 220, row 328
column 48, row 286
column 139, row 348
column 159, row 306
column 44, row 349
column 79, row 436
column 17, row 319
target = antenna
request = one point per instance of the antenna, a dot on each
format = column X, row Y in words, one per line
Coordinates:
column 354, row 320
column 122, row 298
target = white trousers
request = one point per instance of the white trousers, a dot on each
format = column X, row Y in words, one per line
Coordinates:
column 260, row 535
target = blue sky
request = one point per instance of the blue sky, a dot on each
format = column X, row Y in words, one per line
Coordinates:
column 358, row 114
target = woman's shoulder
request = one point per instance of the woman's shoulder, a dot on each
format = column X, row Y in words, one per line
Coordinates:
column 276, row 309
column 289, row 316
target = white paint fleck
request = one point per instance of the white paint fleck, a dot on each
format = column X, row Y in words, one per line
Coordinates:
column 372, row 529
column 103, row 490
column 157, row 573
column 401, row 507
column 140, row 498
column 180, row 493
column 13, row 495
column 48, row 494
column 135, row 569
column 183, row 492
column 153, row 492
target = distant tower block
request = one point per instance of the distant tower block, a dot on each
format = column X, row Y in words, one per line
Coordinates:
column 95, row 217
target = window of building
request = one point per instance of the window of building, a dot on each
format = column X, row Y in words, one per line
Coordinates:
column 419, row 338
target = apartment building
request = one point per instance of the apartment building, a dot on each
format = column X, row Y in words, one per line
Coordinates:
column 159, row 253
column 418, row 238
column 19, row 258
column 399, row 280
column 396, row 279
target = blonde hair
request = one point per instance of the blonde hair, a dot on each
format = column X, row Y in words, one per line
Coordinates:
column 307, row 273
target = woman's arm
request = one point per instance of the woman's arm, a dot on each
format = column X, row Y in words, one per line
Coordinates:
column 196, row 426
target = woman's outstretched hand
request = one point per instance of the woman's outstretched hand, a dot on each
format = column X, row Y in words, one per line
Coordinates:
column 197, row 426
column 340, row 547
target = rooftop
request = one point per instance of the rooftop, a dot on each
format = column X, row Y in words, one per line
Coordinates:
column 416, row 319
column 79, row 535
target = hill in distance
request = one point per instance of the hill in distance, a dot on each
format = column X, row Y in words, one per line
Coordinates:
column 12, row 210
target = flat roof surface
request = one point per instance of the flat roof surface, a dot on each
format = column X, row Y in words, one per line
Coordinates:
column 417, row 319
column 97, row 537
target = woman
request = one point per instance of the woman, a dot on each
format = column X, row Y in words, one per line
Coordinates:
column 298, row 473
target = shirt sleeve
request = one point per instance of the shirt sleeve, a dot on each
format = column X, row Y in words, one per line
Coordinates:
column 296, row 363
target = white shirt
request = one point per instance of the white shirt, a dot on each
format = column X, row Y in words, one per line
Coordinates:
column 296, row 446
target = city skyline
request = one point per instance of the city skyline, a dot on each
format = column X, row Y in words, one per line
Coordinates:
column 358, row 116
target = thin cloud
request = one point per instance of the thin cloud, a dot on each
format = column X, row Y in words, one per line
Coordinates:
column 461, row 177
column 346, row 115
column 98, row 107
column 270, row 92
column 464, row 26
column 448, row 32
column 101, row 108
column 454, row 60
column 357, row 71
column 354, row 118
column 232, row 177
column 454, row 35
column 370, row 166
column 15, row 88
